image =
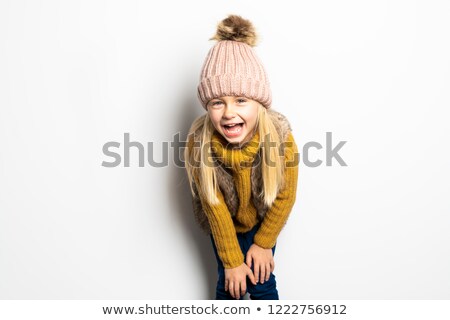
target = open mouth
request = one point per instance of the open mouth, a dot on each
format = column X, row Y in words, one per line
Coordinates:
column 233, row 129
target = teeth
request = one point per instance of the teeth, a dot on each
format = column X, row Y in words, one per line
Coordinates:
column 233, row 129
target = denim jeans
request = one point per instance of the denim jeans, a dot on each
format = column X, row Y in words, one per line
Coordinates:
column 266, row 291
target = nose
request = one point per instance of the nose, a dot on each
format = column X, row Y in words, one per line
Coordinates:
column 229, row 112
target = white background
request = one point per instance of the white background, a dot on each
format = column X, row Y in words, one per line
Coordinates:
column 75, row 75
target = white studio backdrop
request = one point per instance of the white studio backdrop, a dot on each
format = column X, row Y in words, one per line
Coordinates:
column 76, row 75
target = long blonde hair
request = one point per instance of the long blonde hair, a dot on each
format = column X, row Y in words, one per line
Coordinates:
column 198, row 164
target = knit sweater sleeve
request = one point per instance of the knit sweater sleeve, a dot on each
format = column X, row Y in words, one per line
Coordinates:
column 222, row 227
column 278, row 213
column 224, row 233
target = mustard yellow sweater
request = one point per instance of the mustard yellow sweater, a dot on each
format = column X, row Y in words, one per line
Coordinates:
column 223, row 226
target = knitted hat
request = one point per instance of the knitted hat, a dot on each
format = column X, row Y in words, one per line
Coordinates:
column 232, row 67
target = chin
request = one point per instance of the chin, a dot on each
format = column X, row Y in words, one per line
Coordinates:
column 236, row 140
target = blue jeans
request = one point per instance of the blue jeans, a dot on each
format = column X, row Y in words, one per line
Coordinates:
column 266, row 291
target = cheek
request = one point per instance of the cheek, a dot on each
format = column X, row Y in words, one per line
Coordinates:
column 251, row 125
column 250, row 118
column 215, row 119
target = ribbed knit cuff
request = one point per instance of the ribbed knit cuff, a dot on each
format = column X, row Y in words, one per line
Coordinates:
column 265, row 239
column 224, row 233
column 227, row 245
column 234, row 85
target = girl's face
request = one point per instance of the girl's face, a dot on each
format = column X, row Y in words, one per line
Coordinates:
column 234, row 117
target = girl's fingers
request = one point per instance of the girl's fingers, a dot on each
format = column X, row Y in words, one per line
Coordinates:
column 268, row 268
column 248, row 260
column 251, row 276
column 226, row 284
column 243, row 287
column 236, row 291
column 256, row 271
column 263, row 273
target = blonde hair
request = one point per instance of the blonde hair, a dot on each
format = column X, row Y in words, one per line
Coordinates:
column 199, row 166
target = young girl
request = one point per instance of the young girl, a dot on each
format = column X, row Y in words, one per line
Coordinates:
column 242, row 164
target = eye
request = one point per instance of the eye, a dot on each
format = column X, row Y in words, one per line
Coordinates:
column 215, row 103
column 240, row 100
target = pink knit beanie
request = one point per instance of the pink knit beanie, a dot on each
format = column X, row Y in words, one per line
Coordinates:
column 232, row 67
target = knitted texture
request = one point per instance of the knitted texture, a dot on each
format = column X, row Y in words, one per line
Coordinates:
column 223, row 226
column 236, row 158
column 232, row 68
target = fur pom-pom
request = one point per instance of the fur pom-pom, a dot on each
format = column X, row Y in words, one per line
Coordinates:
column 236, row 28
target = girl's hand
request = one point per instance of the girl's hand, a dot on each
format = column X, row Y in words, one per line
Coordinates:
column 236, row 280
column 263, row 262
